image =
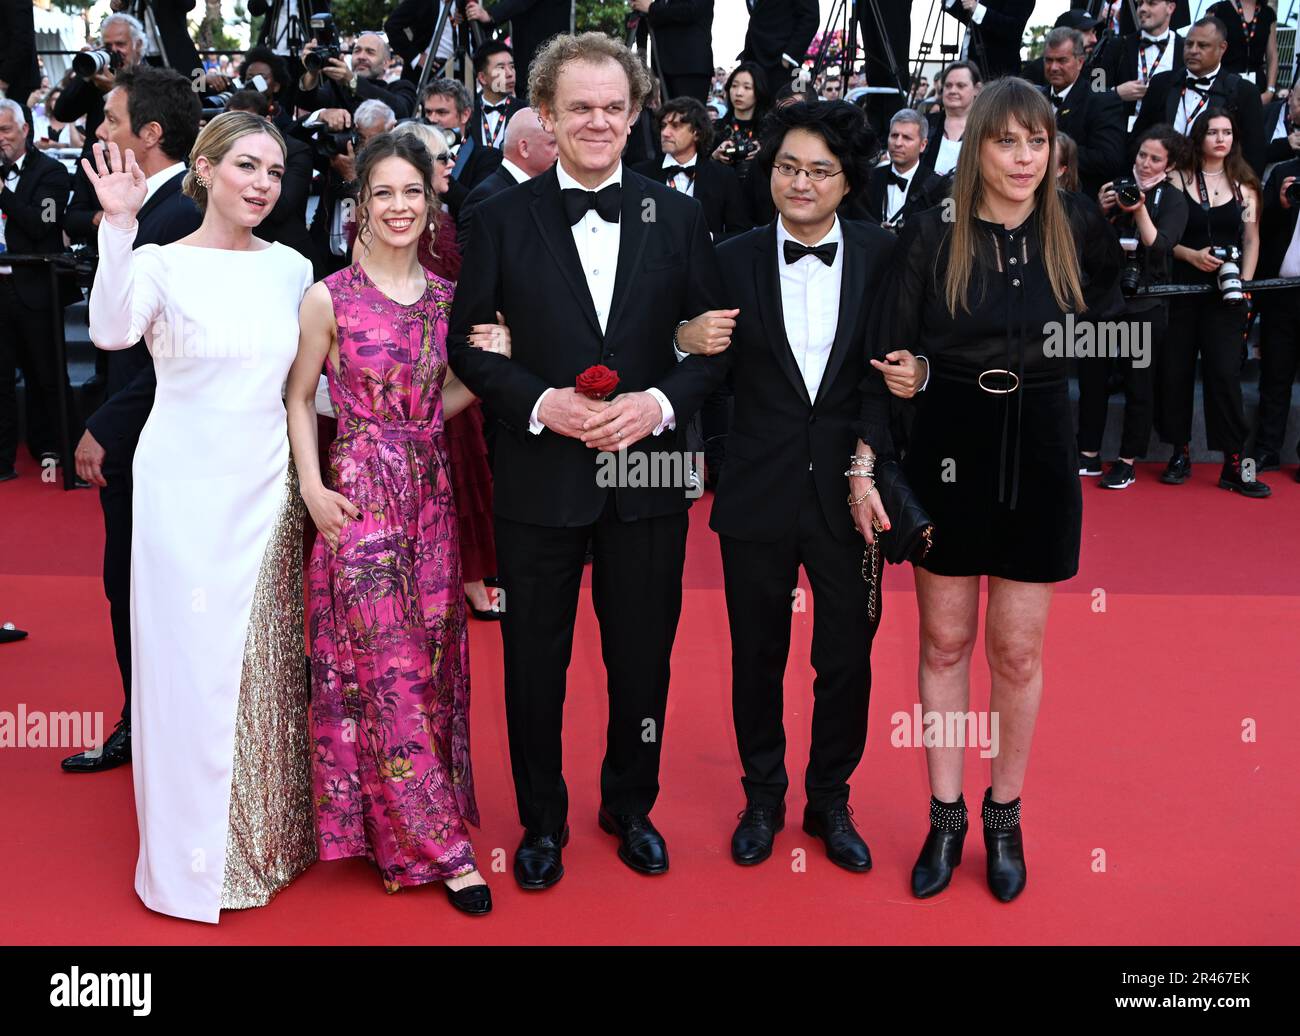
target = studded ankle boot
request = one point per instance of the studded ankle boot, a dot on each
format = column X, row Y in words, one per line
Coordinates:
column 941, row 852
column 1006, row 850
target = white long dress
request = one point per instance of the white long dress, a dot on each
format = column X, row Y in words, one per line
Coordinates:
column 219, row 692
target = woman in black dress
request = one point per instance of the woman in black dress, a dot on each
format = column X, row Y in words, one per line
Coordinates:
column 1222, row 207
column 1252, row 41
column 748, row 100
column 981, row 288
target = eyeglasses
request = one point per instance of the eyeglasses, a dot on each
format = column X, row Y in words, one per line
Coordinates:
column 792, row 172
column 445, row 157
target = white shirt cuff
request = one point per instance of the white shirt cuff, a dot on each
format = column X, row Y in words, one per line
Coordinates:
column 314, row 118
column 977, row 15
column 927, row 372
column 669, row 421
column 535, row 426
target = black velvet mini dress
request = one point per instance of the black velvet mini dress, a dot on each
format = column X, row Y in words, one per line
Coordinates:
column 992, row 455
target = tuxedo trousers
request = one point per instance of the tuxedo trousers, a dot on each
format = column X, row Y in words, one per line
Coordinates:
column 27, row 341
column 1279, row 359
column 636, row 589
column 115, row 502
column 763, row 597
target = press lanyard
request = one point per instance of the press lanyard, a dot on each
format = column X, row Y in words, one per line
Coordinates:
column 1248, row 27
column 1142, row 57
column 491, row 141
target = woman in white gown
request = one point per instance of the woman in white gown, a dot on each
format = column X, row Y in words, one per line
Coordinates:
column 219, row 693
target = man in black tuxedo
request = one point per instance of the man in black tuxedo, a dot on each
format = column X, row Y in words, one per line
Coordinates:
column 590, row 263
column 1133, row 60
column 995, row 30
column 19, row 74
column 338, row 86
column 446, row 104
column 1282, row 129
column 532, row 23
column 778, row 36
column 1086, row 24
column 1279, row 313
column 1094, row 119
column 33, row 194
column 1179, row 97
column 529, row 151
column 495, row 104
column 804, row 285
column 902, row 186
column 683, row 43
column 166, row 110
column 686, row 135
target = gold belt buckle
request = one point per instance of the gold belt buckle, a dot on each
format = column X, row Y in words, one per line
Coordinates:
column 1015, row 381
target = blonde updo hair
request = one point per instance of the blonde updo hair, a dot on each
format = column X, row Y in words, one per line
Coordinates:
column 216, row 139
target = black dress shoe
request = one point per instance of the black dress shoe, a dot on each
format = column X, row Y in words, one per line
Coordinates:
column 1179, row 468
column 835, row 827
column 537, row 860
column 752, row 842
column 116, row 751
column 640, row 846
column 941, row 852
column 10, row 632
column 1005, row 848
column 1232, row 479
column 472, row 899
column 8, row 475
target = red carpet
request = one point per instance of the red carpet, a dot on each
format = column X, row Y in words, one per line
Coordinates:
column 1148, row 819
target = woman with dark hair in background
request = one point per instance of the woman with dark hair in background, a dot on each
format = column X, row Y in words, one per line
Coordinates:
column 748, row 100
column 991, row 455
column 1222, row 218
column 390, row 652
column 1148, row 227
column 1067, row 163
column 957, row 86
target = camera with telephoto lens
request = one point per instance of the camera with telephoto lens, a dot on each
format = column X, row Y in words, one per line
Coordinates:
column 330, row 143
column 327, row 44
column 90, row 63
column 1127, row 191
column 214, row 104
column 1229, row 274
column 1130, row 278
column 1292, row 192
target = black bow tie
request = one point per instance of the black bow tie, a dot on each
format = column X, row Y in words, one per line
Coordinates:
column 671, row 171
column 1056, row 101
column 1159, row 44
column 795, row 251
column 500, row 109
column 6, row 171
column 607, row 203
column 895, row 180
column 1199, row 85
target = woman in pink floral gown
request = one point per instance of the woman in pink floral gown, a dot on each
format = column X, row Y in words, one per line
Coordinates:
column 390, row 656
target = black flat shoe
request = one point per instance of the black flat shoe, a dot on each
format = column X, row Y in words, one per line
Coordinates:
column 115, row 751
column 472, row 899
column 1005, row 848
column 640, row 846
column 537, row 860
column 1179, row 468
column 941, row 853
column 9, row 632
column 752, row 842
column 844, row 846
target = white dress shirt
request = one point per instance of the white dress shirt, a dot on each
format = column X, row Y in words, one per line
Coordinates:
column 895, row 196
column 1192, row 103
column 159, row 178
column 682, row 182
column 493, row 132
column 976, row 17
column 597, row 243
column 519, row 175
column 810, row 303
column 1291, row 261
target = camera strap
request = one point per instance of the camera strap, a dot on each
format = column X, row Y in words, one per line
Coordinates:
column 1205, row 202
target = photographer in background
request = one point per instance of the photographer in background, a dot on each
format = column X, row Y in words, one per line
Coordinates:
column 33, row 193
column 748, row 100
column 1150, row 214
column 338, row 193
column 336, row 85
column 264, row 62
column 1279, row 311
column 446, row 104
column 168, row 41
column 287, row 222
column 1219, row 248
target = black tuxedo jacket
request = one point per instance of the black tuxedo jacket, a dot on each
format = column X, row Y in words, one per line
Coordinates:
column 480, row 163
column 501, row 179
column 1121, row 65
column 34, row 225
column 1228, row 91
column 532, row 23
column 1095, row 120
column 526, row 265
column 128, row 393
column 1276, row 150
column 995, row 41
column 683, row 36
column 399, row 95
column 512, row 103
column 778, row 430
column 933, row 135
column 779, row 27
column 18, row 65
column 1278, row 225
column 925, row 189
column 717, row 189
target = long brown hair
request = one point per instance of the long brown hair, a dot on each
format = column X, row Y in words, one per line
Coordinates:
column 1238, row 170
column 998, row 105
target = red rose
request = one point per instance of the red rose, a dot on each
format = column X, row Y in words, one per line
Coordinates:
column 597, row 382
